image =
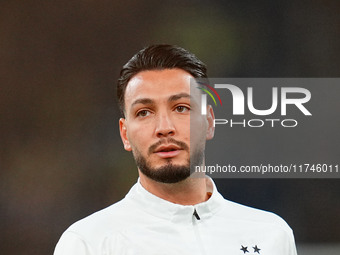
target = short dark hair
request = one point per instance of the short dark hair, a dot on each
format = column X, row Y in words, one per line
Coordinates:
column 158, row 57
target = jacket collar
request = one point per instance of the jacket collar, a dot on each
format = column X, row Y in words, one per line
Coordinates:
column 164, row 209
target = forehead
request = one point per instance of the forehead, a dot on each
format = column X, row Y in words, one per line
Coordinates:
column 157, row 84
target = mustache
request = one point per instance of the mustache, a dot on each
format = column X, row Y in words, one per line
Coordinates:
column 180, row 144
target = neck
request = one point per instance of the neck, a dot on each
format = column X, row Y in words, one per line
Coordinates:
column 190, row 191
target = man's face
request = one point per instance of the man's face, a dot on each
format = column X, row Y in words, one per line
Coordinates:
column 158, row 109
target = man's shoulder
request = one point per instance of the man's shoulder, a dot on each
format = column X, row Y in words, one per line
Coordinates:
column 84, row 235
column 106, row 221
column 246, row 215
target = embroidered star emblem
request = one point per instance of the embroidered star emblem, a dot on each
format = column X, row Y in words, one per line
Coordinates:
column 244, row 249
column 256, row 249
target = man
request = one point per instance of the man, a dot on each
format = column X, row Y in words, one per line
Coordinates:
column 169, row 211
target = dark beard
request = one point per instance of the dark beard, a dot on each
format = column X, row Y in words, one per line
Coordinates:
column 168, row 173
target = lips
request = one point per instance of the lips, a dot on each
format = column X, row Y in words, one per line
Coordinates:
column 168, row 151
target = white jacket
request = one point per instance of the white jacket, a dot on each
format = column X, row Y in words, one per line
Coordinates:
column 144, row 224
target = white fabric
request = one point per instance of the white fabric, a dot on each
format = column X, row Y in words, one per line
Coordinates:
column 144, row 224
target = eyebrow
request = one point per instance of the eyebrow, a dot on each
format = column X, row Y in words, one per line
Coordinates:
column 149, row 101
column 143, row 101
column 178, row 96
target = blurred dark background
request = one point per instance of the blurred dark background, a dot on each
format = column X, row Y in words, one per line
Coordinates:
column 61, row 157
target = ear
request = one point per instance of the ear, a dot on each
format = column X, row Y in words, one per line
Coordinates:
column 210, row 118
column 123, row 134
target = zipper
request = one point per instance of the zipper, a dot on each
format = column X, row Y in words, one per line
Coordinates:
column 195, row 221
column 196, row 214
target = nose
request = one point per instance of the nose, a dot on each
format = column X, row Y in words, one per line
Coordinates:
column 164, row 126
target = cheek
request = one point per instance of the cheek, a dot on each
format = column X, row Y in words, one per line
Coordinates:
column 139, row 136
column 198, row 124
column 197, row 131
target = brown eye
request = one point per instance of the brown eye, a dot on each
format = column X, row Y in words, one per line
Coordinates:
column 182, row 108
column 143, row 113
